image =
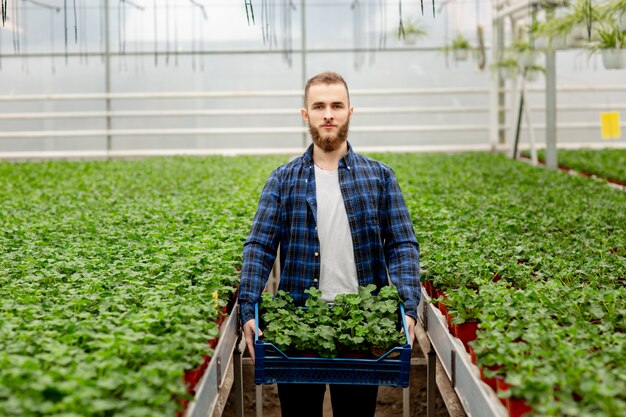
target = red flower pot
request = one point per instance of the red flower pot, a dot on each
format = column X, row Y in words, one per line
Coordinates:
column 192, row 377
column 466, row 332
column 472, row 355
column 442, row 304
column 428, row 287
column 518, row 407
column 489, row 381
column 502, row 386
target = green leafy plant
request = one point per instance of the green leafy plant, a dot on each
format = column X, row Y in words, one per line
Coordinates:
column 508, row 67
column 459, row 42
column 411, row 31
column 353, row 323
column 611, row 37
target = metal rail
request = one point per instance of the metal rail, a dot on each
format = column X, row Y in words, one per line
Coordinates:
column 280, row 112
column 212, row 383
column 273, row 130
column 291, row 93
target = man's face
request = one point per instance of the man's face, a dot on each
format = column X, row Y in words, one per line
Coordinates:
column 328, row 115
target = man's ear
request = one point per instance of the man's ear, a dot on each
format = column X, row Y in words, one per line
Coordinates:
column 305, row 114
column 350, row 110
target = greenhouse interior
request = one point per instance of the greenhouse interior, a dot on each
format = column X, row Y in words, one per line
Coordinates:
column 160, row 252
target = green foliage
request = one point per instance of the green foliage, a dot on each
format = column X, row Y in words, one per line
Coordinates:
column 459, row 42
column 352, row 323
column 412, row 29
column 609, row 36
column 604, row 163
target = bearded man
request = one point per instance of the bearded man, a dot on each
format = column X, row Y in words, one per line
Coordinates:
column 341, row 222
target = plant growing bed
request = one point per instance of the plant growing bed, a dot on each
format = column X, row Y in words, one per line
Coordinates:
column 609, row 164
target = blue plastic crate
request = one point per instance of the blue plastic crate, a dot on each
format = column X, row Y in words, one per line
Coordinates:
column 274, row 366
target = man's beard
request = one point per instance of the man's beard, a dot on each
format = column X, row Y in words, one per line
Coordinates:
column 329, row 143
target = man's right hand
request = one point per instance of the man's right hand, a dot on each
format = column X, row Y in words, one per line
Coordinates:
column 248, row 332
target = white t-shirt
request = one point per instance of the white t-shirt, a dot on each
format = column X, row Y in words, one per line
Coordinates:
column 337, row 266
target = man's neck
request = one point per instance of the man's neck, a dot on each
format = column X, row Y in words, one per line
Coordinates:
column 329, row 161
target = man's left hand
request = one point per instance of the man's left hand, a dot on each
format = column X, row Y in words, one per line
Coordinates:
column 410, row 324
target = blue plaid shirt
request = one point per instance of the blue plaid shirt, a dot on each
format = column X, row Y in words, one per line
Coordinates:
column 382, row 233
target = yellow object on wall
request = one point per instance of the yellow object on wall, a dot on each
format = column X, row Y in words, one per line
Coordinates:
column 610, row 126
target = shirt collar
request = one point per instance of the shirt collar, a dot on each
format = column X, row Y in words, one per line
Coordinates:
column 345, row 161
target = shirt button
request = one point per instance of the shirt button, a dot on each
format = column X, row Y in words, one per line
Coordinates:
column 315, row 280
column 317, row 254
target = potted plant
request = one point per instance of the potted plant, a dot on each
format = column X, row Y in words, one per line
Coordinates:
column 460, row 47
column 465, row 306
column 611, row 45
column 527, row 55
column 411, row 32
column 507, row 67
column 570, row 29
column 533, row 72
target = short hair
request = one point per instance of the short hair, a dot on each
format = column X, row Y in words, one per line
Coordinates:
column 328, row 77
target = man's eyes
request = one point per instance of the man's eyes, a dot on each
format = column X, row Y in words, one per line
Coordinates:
column 334, row 106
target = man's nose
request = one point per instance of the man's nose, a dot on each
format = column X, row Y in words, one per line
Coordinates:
column 328, row 114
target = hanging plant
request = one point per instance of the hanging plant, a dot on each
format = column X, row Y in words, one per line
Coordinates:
column 611, row 46
column 412, row 31
column 533, row 72
column 460, row 47
column 506, row 67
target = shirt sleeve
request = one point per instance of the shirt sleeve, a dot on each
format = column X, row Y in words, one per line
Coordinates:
column 401, row 247
column 259, row 250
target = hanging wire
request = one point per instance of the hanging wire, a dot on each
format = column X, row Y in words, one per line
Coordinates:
column 481, row 61
column 401, row 33
column 75, row 23
column 288, row 7
column 23, row 23
column 167, row 33
column 83, row 32
column 102, row 31
column 156, row 45
column 193, row 41
column 201, row 7
column 273, row 25
column 249, row 11
column 120, row 28
column 382, row 40
column 359, row 56
column 176, row 36
column 65, row 26
column 263, row 21
column 371, row 18
column 16, row 34
column 4, row 12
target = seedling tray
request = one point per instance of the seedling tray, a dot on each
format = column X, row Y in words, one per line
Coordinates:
column 274, row 366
